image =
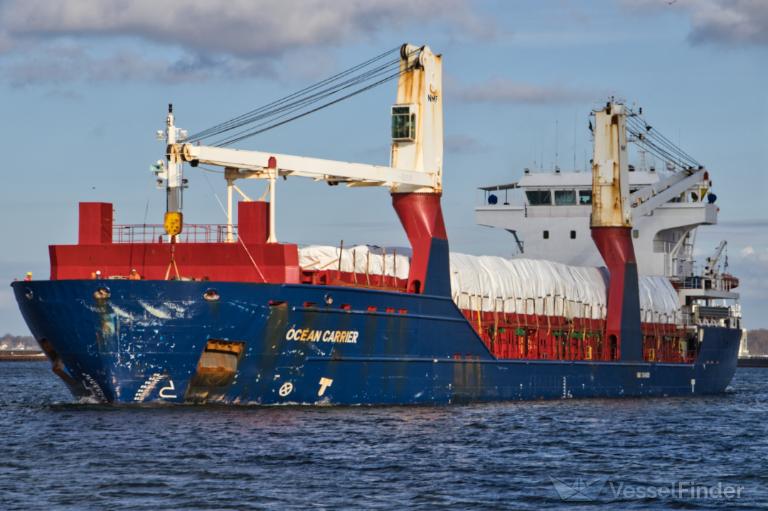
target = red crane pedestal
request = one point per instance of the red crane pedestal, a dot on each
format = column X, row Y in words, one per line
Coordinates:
column 622, row 330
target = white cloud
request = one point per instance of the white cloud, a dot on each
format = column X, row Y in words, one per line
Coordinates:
column 65, row 63
column 502, row 90
column 726, row 22
column 751, row 267
column 729, row 21
column 215, row 36
column 463, row 144
column 237, row 27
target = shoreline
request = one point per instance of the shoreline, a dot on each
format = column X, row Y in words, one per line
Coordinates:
column 22, row 356
column 757, row 361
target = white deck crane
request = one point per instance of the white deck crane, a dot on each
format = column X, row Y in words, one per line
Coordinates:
column 692, row 174
column 416, row 157
column 649, row 198
column 617, row 206
column 713, row 261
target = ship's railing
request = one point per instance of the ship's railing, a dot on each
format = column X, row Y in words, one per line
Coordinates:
column 725, row 316
column 155, row 233
column 717, row 283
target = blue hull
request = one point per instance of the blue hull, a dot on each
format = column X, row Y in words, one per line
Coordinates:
column 144, row 340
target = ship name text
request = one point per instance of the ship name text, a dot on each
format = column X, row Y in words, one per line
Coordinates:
column 310, row 335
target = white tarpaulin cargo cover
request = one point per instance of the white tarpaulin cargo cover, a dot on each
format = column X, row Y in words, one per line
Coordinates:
column 359, row 259
column 489, row 283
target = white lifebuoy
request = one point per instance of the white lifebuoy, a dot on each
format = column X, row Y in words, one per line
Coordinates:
column 285, row 389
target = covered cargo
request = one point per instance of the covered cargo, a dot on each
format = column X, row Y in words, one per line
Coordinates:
column 523, row 286
column 364, row 259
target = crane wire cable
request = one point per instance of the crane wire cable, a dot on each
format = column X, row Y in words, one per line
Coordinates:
column 303, row 114
column 330, row 79
column 643, row 132
column 641, row 125
column 657, row 143
column 280, row 111
column 668, row 142
column 658, row 150
column 664, row 155
column 307, row 96
column 660, row 153
column 306, row 104
column 298, row 103
column 648, row 144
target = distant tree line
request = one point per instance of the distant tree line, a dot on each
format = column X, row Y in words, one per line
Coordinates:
column 10, row 342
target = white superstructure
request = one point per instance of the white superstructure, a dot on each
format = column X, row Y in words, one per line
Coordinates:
column 547, row 214
column 548, row 217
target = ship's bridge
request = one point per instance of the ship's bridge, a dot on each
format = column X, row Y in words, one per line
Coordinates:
column 547, row 214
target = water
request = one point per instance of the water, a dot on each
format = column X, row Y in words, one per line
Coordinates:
column 57, row 455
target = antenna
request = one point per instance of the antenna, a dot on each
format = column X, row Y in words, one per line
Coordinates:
column 574, row 141
column 557, row 133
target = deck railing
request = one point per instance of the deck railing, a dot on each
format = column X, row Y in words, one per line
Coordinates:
column 155, row 233
column 717, row 283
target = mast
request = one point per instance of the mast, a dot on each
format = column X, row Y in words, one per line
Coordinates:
column 173, row 221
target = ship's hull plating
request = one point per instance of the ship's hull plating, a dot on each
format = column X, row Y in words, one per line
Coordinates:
column 142, row 341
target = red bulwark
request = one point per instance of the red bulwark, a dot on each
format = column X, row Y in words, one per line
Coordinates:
column 249, row 259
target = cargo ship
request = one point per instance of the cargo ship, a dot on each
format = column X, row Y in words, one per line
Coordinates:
column 225, row 313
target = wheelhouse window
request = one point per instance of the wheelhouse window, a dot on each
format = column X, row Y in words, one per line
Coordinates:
column 403, row 123
column 565, row 197
column 539, row 197
column 585, row 197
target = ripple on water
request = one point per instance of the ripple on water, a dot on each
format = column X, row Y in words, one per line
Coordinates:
column 64, row 455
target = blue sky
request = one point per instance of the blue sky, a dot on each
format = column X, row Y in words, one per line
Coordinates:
column 84, row 85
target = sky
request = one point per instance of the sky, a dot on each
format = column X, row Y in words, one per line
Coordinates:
column 84, row 86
